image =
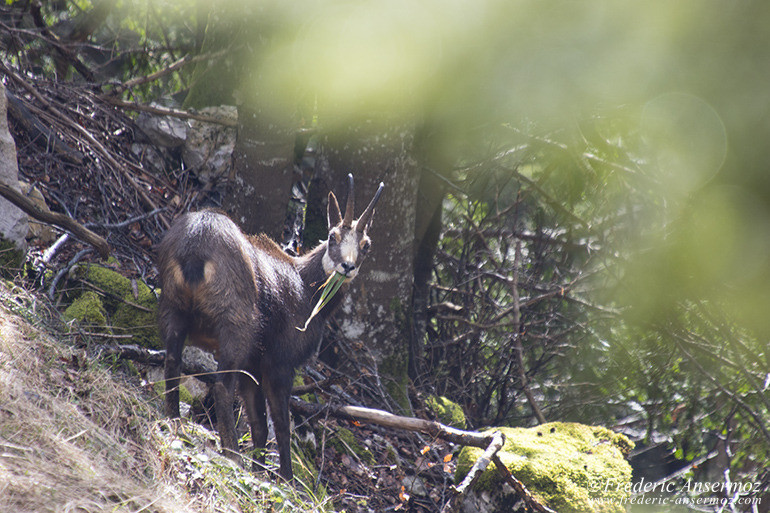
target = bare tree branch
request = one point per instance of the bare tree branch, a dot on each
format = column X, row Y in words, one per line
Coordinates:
column 56, row 219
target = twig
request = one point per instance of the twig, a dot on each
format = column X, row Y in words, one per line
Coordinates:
column 114, row 296
column 105, row 335
column 111, row 226
column 56, row 219
column 321, row 385
column 734, row 397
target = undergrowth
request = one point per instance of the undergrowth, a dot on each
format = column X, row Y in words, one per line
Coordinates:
column 76, row 437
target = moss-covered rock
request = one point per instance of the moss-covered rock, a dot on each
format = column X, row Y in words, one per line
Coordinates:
column 572, row 468
column 344, row 441
column 120, row 304
column 142, row 322
column 446, row 411
column 114, row 284
column 87, row 310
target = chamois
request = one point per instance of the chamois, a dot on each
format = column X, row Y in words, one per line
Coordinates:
column 243, row 299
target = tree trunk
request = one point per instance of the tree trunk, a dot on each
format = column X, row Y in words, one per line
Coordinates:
column 263, row 158
column 262, row 176
column 377, row 311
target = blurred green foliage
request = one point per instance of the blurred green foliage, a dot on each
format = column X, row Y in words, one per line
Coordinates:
column 631, row 136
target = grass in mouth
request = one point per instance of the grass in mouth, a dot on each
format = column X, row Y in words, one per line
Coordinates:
column 328, row 289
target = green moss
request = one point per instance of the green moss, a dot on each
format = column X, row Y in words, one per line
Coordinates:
column 345, row 442
column 119, row 304
column 11, row 258
column 446, row 411
column 566, row 465
column 142, row 323
column 113, row 283
column 185, row 396
column 87, row 310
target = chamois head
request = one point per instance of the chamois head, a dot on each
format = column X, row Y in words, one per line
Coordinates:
column 348, row 242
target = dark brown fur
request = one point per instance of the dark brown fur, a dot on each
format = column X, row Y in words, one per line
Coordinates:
column 242, row 299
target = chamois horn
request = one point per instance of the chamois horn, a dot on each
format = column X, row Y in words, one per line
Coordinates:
column 367, row 214
column 350, row 207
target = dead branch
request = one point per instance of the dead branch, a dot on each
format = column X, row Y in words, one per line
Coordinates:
column 166, row 111
column 453, row 504
column 61, row 49
column 135, row 353
column 187, row 59
column 385, row 419
column 56, row 219
column 39, row 132
column 157, row 357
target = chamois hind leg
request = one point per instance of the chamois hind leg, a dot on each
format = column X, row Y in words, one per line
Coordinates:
column 224, row 396
column 277, row 385
column 173, row 328
column 254, row 402
column 231, row 343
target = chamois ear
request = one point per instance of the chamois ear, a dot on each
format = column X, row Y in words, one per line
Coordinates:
column 333, row 214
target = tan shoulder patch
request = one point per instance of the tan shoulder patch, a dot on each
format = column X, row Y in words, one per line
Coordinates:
column 209, row 269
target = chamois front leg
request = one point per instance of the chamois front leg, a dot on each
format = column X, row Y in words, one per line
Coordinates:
column 278, row 384
column 173, row 331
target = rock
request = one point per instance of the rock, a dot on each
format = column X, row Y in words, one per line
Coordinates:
column 208, row 149
column 166, row 131
column 570, row 467
column 13, row 222
column 42, row 232
column 150, row 156
column 414, row 486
